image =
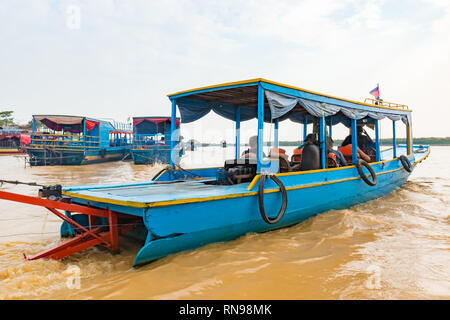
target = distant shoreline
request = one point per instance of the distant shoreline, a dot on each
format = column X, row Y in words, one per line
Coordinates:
column 427, row 140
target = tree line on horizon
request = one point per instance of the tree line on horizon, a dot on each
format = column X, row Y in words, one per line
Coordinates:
column 425, row 140
column 7, row 120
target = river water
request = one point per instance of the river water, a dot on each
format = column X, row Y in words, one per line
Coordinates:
column 396, row 247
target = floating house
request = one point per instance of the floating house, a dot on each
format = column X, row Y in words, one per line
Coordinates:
column 73, row 140
column 13, row 141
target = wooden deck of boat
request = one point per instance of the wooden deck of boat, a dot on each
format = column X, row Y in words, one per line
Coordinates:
column 154, row 192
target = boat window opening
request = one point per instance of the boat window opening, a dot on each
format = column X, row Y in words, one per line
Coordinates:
column 119, row 139
column 393, row 134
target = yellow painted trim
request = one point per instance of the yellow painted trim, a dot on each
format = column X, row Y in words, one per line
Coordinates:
column 312, row 171
column 110, row 201
column 159, row 175
column 424, row 157
column 55, row 149
column 217, row 86
column 376, row 103
column 193, row 200
column 40, row 146
column 238, row 195
column 256, row 178
column 153, row 149
column 331, row 169
column 281, row 85
column 254, row 181
column 62, row 135
column 71, row 141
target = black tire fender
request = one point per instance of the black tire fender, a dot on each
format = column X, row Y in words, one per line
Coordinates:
column 262, row 211
column 405, row 163
column 374, row 180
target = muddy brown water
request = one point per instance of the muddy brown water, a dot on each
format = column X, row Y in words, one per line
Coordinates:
column 396, row 247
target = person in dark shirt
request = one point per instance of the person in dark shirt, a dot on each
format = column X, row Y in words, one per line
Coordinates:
column 310, row 155
column 363, row 138
column 309, row 139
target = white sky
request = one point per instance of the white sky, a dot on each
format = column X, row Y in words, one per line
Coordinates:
column 117, row 59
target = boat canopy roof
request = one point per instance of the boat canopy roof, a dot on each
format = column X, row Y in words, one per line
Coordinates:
column 281, row 102
column 156, row 120
column 73, row 124
column 153, row 125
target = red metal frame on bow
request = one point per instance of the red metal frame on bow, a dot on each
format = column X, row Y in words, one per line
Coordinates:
column 107, row 236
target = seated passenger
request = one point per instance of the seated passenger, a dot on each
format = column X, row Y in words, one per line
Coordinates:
column 338, row 156
column 253, row 150
column 364, row 140
column 347, row 151
column 310, row 155
column 285, row 165
column 278, row 152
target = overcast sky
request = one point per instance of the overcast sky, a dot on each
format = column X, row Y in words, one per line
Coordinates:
column 116, row 59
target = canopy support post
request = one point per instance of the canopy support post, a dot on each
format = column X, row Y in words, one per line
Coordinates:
column 354, row 142
column 238, row 131
column 394, row 140
column 323, row 153
column 260, row 128
column 275, row 136
column 172, row 130
column 305, row 128
column 330, row 130
column 377, row 140
column 408, row 140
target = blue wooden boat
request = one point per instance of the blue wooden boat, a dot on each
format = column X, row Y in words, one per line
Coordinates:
column 72, row 140
column 182, row 209
column 151, row 139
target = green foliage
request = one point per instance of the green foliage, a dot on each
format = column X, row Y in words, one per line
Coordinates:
column 6, row 118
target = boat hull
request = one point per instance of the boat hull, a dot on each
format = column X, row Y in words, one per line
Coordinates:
column 58, row 157
column 189, row 226
column 182, row 215
column 7, row 151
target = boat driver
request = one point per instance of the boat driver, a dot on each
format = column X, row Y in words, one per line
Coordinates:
column 364, row 140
